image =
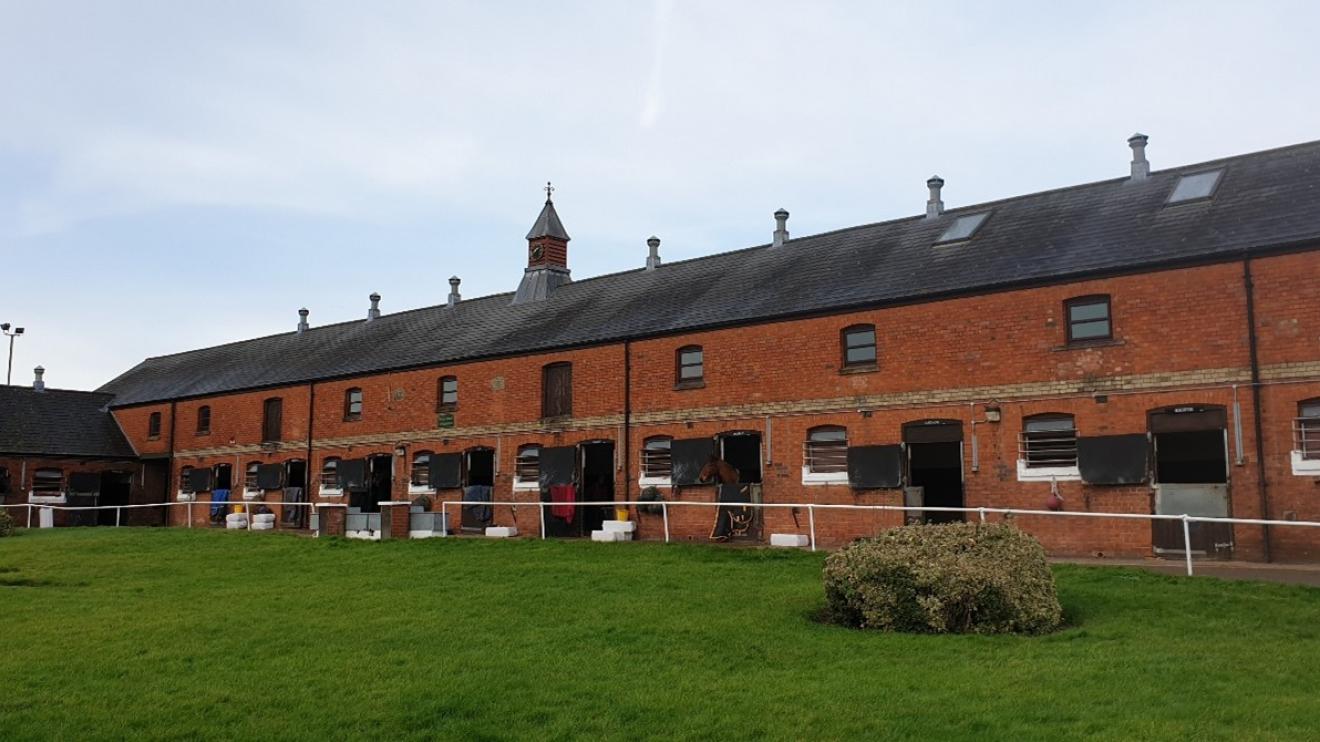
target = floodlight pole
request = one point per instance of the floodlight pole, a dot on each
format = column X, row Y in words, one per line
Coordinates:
column 9, row 371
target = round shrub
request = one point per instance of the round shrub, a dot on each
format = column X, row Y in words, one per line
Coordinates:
column 6, row 523
column 951, row 578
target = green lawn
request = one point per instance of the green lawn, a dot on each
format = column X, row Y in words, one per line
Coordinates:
column 203, row 634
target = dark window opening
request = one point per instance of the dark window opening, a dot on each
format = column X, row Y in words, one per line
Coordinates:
column 203, row 420
column 48, row 480
column 690, row 366
column 743, row 452
column 224, row 477
column 295, row 474
column 859, row 346
column 353, row 404
column 446, row 395
column 826, row 450
column 557, row 390
column 480, row 465
column 1048, row 440
column 272, row 423
column 153, row 425
column 1088, row 319
column 1306, row 430
column 657, row 462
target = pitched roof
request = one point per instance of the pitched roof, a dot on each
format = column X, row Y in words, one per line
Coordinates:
column 59, row 422
column 1264, row 199
column 547, row 224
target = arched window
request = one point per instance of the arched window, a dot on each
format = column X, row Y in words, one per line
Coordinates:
column 250, row 478
column 1049, row 440
column 446, row 393
column 153, row 425
column 557, row 390
column 656, row 461
column 527, row 467
column 826, row 451
column 353, row 404
column 1088, row 318
column 49, row 480
column 858, row 343
column 330, row 473
column 421, row 470
column 1307, row 429
column 689, row 366
column 185, row 480
column 203, row 419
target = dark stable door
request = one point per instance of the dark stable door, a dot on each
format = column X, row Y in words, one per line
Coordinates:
column 381, row 480
column 1191, row 476
column 115, row 489
column 937, row 469
column 597, row 485
column 479, row 471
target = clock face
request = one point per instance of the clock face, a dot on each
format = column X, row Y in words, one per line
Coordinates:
column 537, row 252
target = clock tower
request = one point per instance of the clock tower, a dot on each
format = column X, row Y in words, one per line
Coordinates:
column 547, row 255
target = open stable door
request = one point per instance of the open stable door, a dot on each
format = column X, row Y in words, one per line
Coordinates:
column 935, row 467
column 1190, row 445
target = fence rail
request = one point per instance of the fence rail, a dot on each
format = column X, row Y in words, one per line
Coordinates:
column 664, row 506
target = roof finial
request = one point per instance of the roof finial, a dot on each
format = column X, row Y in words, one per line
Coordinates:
column 549, row 189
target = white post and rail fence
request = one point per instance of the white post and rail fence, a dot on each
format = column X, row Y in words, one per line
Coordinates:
column 665, row 505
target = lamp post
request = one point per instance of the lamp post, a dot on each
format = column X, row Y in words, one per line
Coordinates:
column 4, row 327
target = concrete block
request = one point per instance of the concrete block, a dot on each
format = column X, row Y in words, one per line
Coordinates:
column 501, row 532
column 606, row 536
column 789, row 539
column 619, row 526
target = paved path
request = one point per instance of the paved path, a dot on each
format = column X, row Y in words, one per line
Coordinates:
column 1293, row 574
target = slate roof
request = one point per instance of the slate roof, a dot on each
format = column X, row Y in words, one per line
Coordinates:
column 59, row 422
column 547, row 224
column 1265, row 199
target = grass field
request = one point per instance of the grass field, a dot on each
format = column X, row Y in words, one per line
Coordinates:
column 200, row 634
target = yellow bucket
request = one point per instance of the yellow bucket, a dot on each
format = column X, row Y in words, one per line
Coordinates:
column 621, row 513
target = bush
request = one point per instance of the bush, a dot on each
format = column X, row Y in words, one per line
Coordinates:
column 955, row 578
column 6, row 523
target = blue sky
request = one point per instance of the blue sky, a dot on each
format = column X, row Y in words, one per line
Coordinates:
column 177, row 175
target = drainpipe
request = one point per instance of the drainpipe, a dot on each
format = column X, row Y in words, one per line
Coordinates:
column 627, row 420
column 1262, row 484
column 311, row 417
column 169, row 465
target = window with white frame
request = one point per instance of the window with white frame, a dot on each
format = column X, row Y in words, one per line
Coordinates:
column 1306, row 430
column 656, row 461
column 527, row 465
column 330, row 474
column 420, row 476
column 1048, row 441
column 826, row 450
column 48, row 480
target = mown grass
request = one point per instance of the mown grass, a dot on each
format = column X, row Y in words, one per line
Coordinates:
column 207, row 635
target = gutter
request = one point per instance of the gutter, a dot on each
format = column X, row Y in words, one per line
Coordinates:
column 1262, row 487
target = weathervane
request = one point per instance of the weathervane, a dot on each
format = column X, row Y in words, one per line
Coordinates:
column 549, row 189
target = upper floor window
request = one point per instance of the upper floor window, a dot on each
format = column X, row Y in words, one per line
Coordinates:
column 656, row 460
column 1049, row 440
column 1307, row 429
column 826, row 451
column 250, row 476
column 48, row 479
column 203, row 420
column 527, row 467
column 185, row 480
column 1088, row 318
column 421, row 470
column 859, row 346
column 557, row 390
column 272, row 420
column 446, row 395
column 690, row 367
column 353, row 404
column 153, row 425
column 330, row 473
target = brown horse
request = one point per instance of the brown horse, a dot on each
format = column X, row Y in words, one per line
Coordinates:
column 718, row 469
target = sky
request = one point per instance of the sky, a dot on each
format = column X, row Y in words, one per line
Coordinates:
column 180, row 175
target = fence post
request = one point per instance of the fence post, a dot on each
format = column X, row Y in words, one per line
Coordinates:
column 811, row 518
column 541, row 507
column 664, row 511
column 1187, row 542
column 982, row 511
column 119, row 511
column 29, row 516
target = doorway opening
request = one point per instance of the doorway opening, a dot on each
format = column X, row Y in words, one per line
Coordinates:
column 295, row 490
column 295, row 474
column 734, row 521
column 1191, row 477
column 597, row 484
column 116, row 488
column 380, row 483
column 479, row 464
column 935, row 466
column 478, row 485
column 742, row 450
column 224, row 477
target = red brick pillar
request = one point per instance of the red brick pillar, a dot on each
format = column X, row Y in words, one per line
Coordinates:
column 333, row 520
column 394, row 519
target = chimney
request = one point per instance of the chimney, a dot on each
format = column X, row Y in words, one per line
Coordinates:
column 454, row 296
column 37, row 384
column 1140, row 166
column 934, row 206
column 374, row 311
column 781, row 228
column 653, row 259
column 302, row 320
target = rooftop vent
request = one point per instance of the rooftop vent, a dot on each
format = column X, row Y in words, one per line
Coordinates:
column 302, row 320
column 38, row 384
column 374, row 311
column 1196, row 186
column 781, row 228
column 963, row 228
column 1140, row 166
column 934, row 206
column 454, row 296
column 653, row 257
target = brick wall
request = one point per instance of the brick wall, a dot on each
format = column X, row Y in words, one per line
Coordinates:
column 21, row 471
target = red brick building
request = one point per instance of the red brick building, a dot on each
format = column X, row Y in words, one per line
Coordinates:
column 1148, row 344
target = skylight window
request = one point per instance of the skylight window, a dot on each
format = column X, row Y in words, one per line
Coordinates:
column 1196, row 186
column 963, row 228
